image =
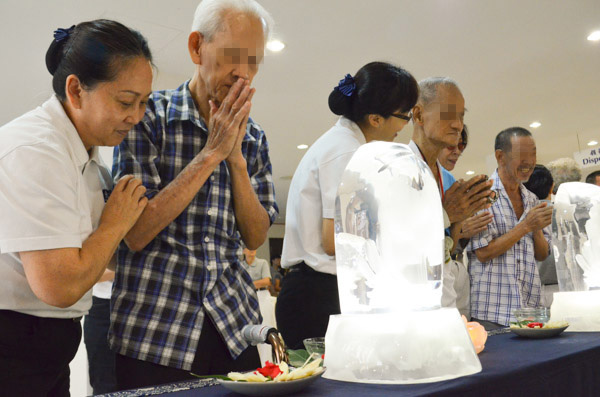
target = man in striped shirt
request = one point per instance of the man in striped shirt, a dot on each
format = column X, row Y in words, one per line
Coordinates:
column 502, row 258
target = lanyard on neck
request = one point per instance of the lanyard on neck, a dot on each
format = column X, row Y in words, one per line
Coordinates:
column 440, row 181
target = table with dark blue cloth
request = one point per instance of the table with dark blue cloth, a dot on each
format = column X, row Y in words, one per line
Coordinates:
column 567, row 365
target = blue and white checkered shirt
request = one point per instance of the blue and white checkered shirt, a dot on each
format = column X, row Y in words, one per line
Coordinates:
column 192, row 267
column 511, row 280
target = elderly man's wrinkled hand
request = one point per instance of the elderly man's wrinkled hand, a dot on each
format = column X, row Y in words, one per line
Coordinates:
column 464, row 199
column 539, row 217
column 227, row 120
column 236, row 155
column 475, row 224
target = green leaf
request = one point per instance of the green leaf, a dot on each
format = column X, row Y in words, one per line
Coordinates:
column 222, row 377
column 522, row 324
column 297, row 357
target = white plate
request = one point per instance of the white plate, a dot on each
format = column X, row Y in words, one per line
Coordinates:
column 538, row 333
column 270, row 388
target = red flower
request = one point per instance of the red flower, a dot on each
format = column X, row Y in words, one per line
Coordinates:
column 535, row 325
column 271, row 370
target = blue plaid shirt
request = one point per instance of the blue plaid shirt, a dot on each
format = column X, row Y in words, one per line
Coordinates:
column 511, row 280
column 192, row 267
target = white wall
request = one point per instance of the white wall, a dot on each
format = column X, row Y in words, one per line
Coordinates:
column 80, row 384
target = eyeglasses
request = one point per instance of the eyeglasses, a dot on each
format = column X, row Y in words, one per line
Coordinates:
column 401, row 116
column 461, row 146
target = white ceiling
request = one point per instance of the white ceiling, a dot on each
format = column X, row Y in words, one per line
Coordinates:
column 516, row 61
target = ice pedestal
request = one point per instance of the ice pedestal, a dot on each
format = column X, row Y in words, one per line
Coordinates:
column 581, row 309
column 399, row 348
column 389, row 244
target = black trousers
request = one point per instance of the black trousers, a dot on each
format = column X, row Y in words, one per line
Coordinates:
column 101, row 360
column 212, row 358
column 306, row 301
column 35, row 353
column 488, row 325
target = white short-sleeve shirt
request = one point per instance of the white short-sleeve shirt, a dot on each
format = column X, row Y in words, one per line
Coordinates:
column 51, row 196
column 312, row 195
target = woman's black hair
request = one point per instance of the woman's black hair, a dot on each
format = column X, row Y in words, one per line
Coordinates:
column 95, row 52
column 591, row 178
column 464, row 135
column 381, row 88
column 540, row 182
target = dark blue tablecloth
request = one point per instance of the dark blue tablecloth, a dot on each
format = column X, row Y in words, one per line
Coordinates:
column 568, row 365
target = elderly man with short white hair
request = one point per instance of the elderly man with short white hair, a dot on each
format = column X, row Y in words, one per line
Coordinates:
column 181, row 295
column 438, row 123
column 564, row 170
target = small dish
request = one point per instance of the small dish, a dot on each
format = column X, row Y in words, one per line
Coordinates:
column 270, row 388
column 532, row 314
column 538, row 333
column 315, row 345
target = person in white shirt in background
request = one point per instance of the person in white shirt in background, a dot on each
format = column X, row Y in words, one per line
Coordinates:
column 57, row 235
column 374, row 105
column 260, row 273
column 258, row 269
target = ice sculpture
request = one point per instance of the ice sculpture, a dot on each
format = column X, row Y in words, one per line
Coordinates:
column 389, row 254
column 576, row 247
column 389, row 245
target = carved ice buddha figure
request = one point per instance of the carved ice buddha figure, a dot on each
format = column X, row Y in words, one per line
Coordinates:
column 389, row 232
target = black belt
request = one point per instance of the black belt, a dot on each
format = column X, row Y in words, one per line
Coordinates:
column 302, row 267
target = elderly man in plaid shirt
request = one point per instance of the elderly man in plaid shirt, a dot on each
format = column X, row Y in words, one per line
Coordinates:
column 502, row 258
column 181, row 295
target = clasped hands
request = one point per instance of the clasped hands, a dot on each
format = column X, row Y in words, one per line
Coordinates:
column 465, row 198
column 227, row 124
column 539, row 217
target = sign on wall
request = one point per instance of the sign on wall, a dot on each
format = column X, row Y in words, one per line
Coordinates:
column 588, row 158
